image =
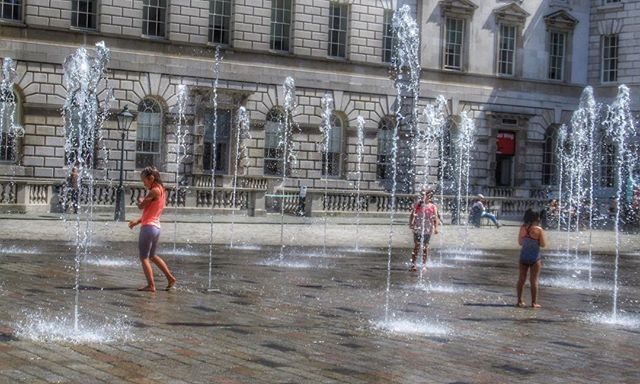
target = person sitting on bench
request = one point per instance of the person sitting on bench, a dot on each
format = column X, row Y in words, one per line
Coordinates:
column 478, row 211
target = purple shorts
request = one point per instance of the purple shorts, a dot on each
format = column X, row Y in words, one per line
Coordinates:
column 148, row 240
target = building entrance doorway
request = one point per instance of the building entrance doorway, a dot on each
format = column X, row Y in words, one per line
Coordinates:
column 505, row 155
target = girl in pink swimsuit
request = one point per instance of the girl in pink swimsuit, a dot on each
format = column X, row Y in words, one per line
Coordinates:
column 152, row 206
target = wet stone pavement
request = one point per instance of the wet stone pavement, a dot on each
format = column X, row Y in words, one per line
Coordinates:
column 311, row 318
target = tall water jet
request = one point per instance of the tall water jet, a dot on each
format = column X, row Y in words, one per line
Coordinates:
column 326, row 129
column 286, row 146
column 583, row 122
column 464, row 144
column 242, row 157
column 435, row 123
column 83, row 117
column 562, row 165
column 181, row 152
column 620, row 128
column 216, row 77
column 359, row 150
column 406, row 68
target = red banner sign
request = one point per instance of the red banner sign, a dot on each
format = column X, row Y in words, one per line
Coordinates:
column 506, row 143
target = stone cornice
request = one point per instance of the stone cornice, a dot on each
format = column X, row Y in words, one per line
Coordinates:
column 561, row 20
column 511, row 13
column 461, row 8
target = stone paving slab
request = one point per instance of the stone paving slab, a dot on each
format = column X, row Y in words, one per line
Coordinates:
column 312, row 318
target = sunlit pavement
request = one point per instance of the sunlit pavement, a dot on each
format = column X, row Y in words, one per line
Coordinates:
column 314, row 315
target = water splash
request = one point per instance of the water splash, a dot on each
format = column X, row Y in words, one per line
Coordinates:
column 408, row 327
column 83, row 119
column 40, row 328
column 242, row 158
column 325, row 128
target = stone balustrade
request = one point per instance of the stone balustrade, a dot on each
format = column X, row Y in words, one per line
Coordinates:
column 252, row 197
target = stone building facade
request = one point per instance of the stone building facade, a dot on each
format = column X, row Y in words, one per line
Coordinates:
column 517, row 68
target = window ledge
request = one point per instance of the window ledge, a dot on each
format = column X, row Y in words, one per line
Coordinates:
column 159, row 39
column 613, row 7
column 280, row 53
column 14, row 23
column 89, row 31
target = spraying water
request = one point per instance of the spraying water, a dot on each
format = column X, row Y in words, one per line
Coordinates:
column 406, row 67
column 216, row 72
column 359, row 150
column 583, row 124
column 325, row 129
column 242, row 134
column 83, row 117
column 560, row 147
column 286, row 145
column 181, row 152
column 435, row 129
column 620, row 128
column 464, row 145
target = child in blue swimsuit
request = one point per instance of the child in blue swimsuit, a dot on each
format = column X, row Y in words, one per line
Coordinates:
column 531, row 239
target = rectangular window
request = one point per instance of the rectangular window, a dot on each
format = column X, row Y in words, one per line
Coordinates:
column 387, row 36
column 609, row 58
column 148, row 139
column 219, row 21
column 507, row 50
column 331, row 164
column 557, row 47
column 7, row 147
column 338, row 16
column 280, row 25
column 154, row 17
column 222, row 142
column 11, row 9
column 83, row 14
column 454, row 43
column 611, row 1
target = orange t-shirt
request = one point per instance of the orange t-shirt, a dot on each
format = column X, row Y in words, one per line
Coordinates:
column 151, row 213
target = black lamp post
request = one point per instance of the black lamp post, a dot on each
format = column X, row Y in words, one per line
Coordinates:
column 125, row 118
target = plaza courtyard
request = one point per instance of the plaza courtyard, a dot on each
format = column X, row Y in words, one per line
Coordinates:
column 314, row 315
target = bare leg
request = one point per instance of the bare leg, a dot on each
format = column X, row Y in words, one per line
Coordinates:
column 522, row 278
column 165, row 269
column 414, row 255
column 533, row 278
column 425, row 256
column 148, row 274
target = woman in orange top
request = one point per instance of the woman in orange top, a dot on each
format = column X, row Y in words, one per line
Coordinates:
column 152, row 206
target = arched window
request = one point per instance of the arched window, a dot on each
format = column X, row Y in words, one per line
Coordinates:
column 273, row 131
column 385, row 143
column 332, row 160
column 549, row 160
column 149, row 133
column 11, row 126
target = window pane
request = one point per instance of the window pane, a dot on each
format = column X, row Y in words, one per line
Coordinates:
column 280, row 25
column 338, row 30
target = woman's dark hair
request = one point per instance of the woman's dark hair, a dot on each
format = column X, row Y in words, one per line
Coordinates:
column 531, row 216
column 152, row 171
